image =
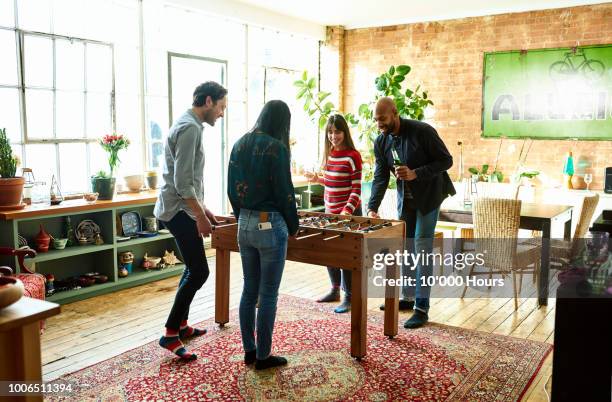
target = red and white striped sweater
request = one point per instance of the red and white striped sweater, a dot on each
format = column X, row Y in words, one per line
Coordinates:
column 342, row 180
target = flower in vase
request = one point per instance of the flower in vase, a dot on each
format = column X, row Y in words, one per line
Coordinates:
column 112, row 144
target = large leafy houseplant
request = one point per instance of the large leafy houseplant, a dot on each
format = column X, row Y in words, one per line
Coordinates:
column 11, row 187
column 410, row 103
column 315, row 105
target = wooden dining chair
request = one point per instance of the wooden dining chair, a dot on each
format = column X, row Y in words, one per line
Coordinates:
column 496, row 228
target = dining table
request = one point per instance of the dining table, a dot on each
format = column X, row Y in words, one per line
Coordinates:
column 534, row 216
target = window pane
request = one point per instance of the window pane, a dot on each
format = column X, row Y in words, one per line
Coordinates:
column 99, row 68
column 70, row 108
column 98, row 115
column 70, row 17
column 9, row 113
column 157, row 129
column 126, row 69
column 38, row 61
column 7, row 14
column 35, row 15
column 73, row 168
column 98, row 159
column 69, row 60
column 8, row 57
column 39, row 113
column 41, row 159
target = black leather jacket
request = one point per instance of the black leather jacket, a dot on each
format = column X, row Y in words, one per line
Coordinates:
column 420, row 148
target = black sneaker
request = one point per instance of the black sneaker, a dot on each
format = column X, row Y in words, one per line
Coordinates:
column 272, row 361
column 250, row 357
column 332, row 296
column 403, row 305
column 417, row 320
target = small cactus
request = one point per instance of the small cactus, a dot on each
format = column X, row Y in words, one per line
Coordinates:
column 8, row 162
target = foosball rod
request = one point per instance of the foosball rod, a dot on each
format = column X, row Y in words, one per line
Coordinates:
column 310, row 235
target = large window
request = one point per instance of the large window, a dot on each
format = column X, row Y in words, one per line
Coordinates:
column 73, row 70
column 57, row 84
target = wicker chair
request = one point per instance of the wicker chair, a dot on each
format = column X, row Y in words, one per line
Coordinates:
column 562, row 251
column 496, row 226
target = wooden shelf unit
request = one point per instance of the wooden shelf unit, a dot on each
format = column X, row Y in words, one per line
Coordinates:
column 78, row 260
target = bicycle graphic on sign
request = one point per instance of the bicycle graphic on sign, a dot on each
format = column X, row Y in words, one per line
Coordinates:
column 574, row 63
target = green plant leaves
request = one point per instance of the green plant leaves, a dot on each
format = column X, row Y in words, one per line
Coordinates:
column 403, row 69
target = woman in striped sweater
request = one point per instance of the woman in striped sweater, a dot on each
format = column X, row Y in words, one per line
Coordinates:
column 342, row 181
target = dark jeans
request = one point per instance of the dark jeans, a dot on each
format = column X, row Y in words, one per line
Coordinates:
column 420, row 229
column 191, row 246
column 263, row 254
column 336, row 274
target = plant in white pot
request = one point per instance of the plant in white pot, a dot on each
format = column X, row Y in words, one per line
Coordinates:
column 11, row 186
column 102, row 183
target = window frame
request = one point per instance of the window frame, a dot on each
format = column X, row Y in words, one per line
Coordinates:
column 20, row 36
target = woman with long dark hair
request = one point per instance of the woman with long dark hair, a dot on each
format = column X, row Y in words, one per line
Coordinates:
column 263, row 199
column 342, row 180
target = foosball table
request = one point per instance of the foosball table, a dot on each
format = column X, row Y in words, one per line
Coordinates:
column 339, row 241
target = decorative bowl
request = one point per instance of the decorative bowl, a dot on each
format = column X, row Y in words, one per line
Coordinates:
column 134, row 182
column 11, row 290
column 85, row 281
column 90, row 197
column 59, row 244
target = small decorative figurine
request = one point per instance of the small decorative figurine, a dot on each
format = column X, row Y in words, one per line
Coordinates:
column 126, row 260
column 123, row 272
column 169, row 258
column 55, row 193
column 98, row 240
column 69, row 233
column 49, row 288
column 42, row 240
column 150, row 262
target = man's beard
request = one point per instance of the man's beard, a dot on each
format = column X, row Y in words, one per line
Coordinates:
column 209, row 118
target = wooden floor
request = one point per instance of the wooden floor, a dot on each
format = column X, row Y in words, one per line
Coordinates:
column 102, row 327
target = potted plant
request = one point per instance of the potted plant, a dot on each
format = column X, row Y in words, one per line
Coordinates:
column 102, row 183
column 410, row 103
column 11, row 187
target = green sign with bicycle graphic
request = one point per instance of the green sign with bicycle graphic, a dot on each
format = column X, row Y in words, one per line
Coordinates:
column 548, row 93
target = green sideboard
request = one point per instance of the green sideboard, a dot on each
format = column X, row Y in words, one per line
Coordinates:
column 78, row 260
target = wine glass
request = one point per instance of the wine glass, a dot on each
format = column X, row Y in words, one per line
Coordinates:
column 588, row 179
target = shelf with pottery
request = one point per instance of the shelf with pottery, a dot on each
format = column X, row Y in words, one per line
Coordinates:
column 78, row 260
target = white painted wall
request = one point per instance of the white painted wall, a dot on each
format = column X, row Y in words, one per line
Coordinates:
column 255, row 16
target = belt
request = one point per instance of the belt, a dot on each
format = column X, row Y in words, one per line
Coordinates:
column 263, row 216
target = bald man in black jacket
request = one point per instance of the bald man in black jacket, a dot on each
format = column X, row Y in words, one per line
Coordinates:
column 422, row 185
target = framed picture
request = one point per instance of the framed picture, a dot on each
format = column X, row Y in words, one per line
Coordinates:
column 548, row 93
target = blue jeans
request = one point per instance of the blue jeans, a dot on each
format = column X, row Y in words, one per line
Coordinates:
column 420, row 229
column 336, row 274
column 263, row 254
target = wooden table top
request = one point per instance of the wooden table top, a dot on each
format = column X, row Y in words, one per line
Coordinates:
column 71, row 206
column 25, row 311
column 531, row 210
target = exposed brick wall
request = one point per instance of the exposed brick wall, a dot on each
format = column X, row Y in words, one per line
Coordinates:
column 332, row 65
column 447, row 60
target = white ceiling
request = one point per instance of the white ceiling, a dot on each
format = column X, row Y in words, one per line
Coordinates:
column 370, row 13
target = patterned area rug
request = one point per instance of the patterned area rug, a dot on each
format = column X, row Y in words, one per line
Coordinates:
column 433, row 363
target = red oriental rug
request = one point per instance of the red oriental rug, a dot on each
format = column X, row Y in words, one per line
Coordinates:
column 434, row 363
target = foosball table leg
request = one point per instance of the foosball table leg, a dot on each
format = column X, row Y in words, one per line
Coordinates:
column 222, row 280
column 359, row 306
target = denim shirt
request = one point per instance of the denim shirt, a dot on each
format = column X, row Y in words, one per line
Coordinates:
column 183, row 168
column 259, row 178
